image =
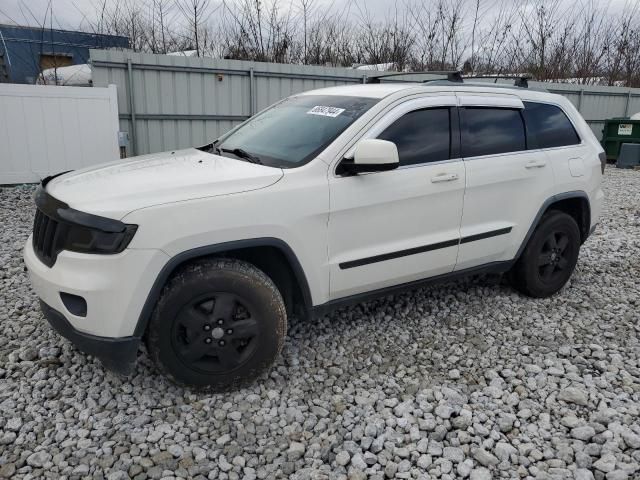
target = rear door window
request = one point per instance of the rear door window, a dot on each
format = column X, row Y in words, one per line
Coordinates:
column 421, row 136
column 491, row 131
column 548, row 126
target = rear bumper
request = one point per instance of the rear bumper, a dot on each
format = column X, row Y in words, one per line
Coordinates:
column 116, row 354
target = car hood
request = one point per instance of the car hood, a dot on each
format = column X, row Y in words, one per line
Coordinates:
column 117, row 188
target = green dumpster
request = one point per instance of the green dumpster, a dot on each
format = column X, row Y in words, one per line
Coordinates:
column 617, row 131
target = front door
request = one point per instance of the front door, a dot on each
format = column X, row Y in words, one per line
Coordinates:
column 394, row 227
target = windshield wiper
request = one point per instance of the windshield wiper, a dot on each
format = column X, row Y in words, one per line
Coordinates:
column 239, row 152
column 209, row 147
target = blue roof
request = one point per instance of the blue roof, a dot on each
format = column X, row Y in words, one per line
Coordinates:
column 21, row 49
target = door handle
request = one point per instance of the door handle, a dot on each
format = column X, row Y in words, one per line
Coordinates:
column 444, row 177
column 536, row 164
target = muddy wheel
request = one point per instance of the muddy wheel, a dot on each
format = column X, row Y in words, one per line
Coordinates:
column 218, row 324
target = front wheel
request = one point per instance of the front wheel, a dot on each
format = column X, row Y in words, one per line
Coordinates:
column 548, row 260
column 219, row 323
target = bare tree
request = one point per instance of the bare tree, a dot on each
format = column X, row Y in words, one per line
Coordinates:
column 493, row 54
column 307, row 10
column 257, row 30
column 161, row 16
column 581, row 43
column 621, row 52
column 388, row 42
column 196, row 13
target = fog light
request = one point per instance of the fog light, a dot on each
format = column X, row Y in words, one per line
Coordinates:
column 75, row 304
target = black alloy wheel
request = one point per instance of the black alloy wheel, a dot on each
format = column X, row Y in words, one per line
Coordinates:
column 554, row 257
column 216, row 332
column 219, row 323
column 550, row 256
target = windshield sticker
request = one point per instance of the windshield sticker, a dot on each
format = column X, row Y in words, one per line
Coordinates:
column 325, row 111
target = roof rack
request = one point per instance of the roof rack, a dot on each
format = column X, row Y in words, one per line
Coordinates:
column 452, row 75
column 521, row 81
column 455, row 76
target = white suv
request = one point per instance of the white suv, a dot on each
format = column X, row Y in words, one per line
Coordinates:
column 325, row 198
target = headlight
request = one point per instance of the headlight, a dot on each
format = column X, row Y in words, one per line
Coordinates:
column 58, row 227
column 89, row 240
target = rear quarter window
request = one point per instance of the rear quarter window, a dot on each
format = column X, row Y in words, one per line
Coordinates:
column 548, row 126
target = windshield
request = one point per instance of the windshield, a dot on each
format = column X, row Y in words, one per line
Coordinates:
column 295, row 130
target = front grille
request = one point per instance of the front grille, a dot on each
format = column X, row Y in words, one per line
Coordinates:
column 45, row 236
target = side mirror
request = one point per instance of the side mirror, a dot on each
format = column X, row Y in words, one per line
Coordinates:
column 372, row 155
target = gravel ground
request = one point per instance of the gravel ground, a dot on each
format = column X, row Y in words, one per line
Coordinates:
column 465, row 380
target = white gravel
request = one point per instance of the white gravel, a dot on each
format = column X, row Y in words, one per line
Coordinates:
column 465, row 380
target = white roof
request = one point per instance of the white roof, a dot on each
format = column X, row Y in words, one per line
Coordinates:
column 379, row 67
column 372, row 90
column 381, row 90
column 184, row 53
column 78, row 75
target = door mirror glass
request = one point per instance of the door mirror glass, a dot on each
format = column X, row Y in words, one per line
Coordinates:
column 372, row 155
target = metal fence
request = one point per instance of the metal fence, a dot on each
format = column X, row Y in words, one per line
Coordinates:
column 169, row 102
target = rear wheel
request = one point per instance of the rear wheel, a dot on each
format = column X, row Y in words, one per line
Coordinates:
column 549, row 258
column 219, row 323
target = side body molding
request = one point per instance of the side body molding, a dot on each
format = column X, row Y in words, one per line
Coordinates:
column 177, row 260
column 490, row 268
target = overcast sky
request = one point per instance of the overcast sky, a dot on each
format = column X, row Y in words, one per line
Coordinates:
column 72, row 14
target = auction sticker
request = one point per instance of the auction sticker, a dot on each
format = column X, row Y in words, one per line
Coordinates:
column 625, row 129
column 325, row 111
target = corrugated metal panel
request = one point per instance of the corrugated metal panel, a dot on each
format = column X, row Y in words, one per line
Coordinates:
column 634, row 105
column 48, row 129
column 186, row 101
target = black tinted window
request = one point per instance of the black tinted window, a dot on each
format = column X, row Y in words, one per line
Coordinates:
column 489, row 131
column 421, row 136
column 548, row 126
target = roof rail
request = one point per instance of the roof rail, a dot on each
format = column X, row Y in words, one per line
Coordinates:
column 521, row 80
column 452, row 75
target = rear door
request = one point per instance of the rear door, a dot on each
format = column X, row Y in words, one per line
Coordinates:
column 550, row 130
column 506, row 184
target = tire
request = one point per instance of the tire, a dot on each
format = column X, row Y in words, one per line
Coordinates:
column 548, row 260
column 219, row 323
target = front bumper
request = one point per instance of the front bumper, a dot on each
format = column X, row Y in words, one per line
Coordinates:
column 114, row 287
column 116, row 354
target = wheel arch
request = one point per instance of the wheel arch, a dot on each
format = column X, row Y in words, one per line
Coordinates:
column 575, row 203
column 272, row 255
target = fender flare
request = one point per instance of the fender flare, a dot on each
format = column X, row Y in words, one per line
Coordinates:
column 549, row 201
column 177, row 260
